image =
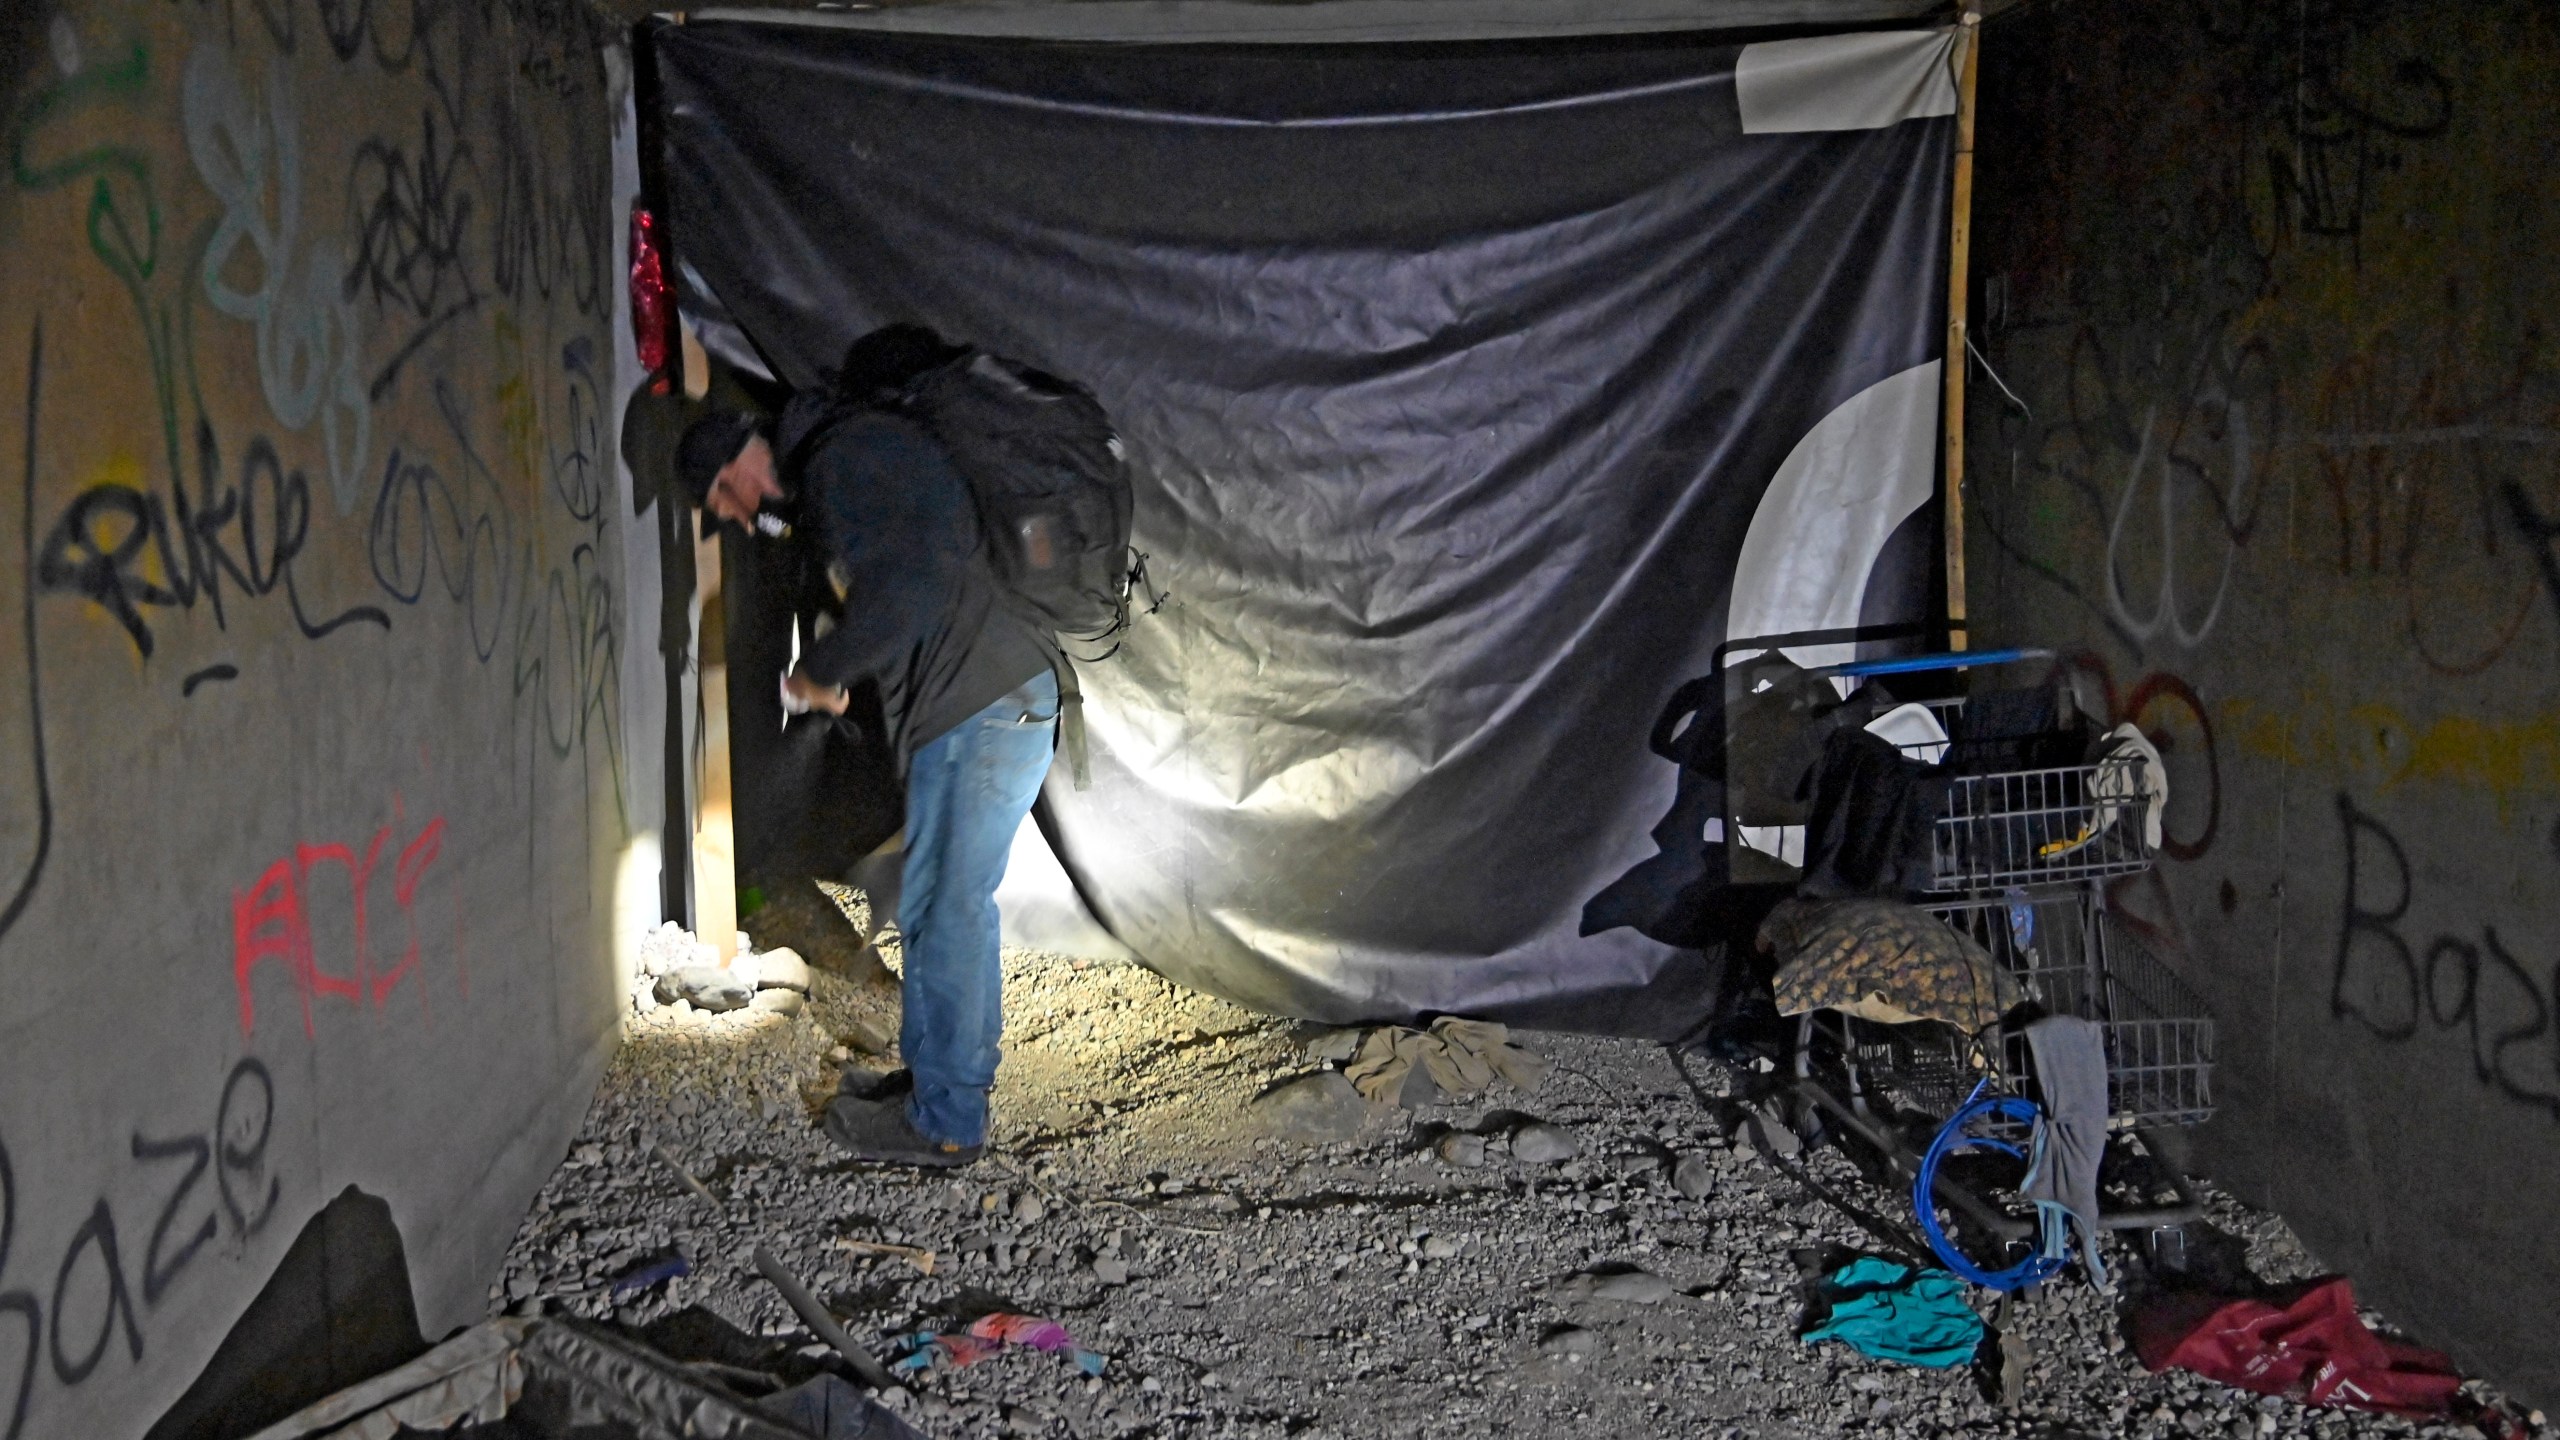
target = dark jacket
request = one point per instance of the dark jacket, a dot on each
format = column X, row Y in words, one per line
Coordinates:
column 894, row 533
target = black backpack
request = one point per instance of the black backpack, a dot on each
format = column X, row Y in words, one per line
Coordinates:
column 1051, row 482
column 1052, row 485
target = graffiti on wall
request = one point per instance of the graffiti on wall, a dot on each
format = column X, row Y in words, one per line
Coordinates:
column 2280, row 430
column 483, row 496
column 85, row 1303
column 315, row 378
column 2393, row 982
column 275, row 918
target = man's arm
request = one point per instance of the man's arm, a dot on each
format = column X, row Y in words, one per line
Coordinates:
column 881, row 493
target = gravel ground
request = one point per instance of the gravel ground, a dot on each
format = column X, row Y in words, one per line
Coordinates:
column 1247, row 1284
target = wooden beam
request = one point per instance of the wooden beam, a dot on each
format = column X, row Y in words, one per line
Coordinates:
column 715, row 870
column 1959, row 256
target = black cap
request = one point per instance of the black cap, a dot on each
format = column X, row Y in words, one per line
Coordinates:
column 709, row 444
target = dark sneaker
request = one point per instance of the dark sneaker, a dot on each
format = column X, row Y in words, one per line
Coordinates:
column 878, row 1130
column 864, row 1084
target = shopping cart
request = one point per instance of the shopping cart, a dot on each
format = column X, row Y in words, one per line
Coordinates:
column 2029, row 831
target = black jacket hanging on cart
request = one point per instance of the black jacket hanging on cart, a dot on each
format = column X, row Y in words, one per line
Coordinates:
column 1873, row 811
column 1777, row 728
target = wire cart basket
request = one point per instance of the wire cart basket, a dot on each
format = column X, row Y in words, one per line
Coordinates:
column 2042, row 826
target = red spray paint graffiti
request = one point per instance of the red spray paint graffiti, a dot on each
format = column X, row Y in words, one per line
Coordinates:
column 271, row 921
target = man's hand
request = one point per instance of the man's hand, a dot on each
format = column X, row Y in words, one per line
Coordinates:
column 800, row 695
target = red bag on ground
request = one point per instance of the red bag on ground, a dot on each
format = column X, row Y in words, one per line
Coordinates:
column 2307, row 1344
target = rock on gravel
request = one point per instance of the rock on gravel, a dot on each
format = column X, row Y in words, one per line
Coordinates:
column 1334, row 1046
column 1570, row 1343
column 1322, row 1106
column 1694, row 1177
column 707, row 987
column 782, row 969
column 1461, row 1149
column 780, row 1002
column 1539, row 1143
column 1632, row 1287
column 1766, row 1133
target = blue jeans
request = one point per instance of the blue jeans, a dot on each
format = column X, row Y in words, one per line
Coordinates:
column 967, row 792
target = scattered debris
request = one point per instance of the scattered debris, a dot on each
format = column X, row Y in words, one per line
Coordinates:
column 706, row 987
column 1693, row 1177
column 1627, row 1287
column 1256, row 1283
column 684, row 1177
column 1334, row 1047
column 780, row 969
column 2305, row 1342
column 826, row 1407
column 1767, row 1135
column 1461, row 1149
column 820, row 1323
column 989, row 1334
column 1459, row 1057
column 564, row 1378
column 1570, row 1343
column 920, row 1258
column 2009, row 1388
column 650, row 1270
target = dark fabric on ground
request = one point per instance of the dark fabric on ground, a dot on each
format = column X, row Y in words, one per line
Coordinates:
column 337, row 1310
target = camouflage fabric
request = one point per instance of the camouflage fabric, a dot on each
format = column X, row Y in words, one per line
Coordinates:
column 1885, row 961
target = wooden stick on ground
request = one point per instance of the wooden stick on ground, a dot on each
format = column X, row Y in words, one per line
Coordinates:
column 922, row 1259
column 684, row 1176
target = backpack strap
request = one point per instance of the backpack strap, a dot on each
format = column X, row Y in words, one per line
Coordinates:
column 1071, row 720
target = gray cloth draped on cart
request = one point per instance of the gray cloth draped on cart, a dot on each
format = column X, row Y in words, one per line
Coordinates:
column 2062, row 1179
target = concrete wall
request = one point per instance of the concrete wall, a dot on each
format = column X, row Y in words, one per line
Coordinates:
column 317, row 800
column 2276, row 283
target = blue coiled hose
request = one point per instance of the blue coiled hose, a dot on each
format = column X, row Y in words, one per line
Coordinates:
column 1951, row 1137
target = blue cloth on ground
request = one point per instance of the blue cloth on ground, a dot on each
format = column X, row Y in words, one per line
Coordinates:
column 1893, row 1312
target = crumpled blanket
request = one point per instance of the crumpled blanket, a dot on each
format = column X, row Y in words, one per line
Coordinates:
column 989, row 1334
column 1885, row 961
column 1462, row 1057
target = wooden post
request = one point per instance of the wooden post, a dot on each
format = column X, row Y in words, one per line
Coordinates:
column 1959, row 255
column 715, row 870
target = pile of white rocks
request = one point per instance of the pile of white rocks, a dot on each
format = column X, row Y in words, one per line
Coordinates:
column 682, row 976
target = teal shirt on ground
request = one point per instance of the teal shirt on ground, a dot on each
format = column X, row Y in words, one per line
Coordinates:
column 1893, row 1312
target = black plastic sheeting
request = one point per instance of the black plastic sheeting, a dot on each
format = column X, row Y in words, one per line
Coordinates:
column 1454, row 374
